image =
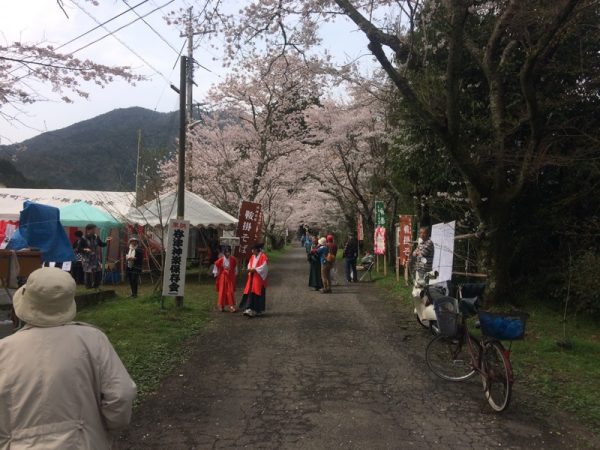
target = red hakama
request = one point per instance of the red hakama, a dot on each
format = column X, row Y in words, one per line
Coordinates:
column 225, row 282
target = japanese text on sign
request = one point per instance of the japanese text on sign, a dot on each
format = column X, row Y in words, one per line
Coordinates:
column 379, row 244
column 176, row 258
column 360, row 234
column 249, row 227
column 405, row 239
column 379, row 214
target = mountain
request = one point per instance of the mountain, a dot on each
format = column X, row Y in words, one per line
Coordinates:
column 11, row 177
column 96, row 154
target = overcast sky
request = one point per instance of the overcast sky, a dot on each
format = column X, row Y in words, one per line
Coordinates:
column 43, row 21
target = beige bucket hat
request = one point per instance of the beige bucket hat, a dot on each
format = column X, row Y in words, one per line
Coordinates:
column 47, row 299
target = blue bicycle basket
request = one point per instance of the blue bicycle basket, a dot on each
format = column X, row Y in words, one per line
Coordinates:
column 503, row 326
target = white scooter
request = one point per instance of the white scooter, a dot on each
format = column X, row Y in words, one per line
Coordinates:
column 423, row 302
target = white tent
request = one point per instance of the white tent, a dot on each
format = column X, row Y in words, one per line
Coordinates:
column 116, row 204
column 198, row 211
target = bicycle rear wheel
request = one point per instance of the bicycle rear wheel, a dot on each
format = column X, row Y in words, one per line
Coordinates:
column 497, row 376
column 449, row 357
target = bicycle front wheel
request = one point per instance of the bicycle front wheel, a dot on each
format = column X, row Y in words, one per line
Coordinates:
column 449, row 357
column 496, row 376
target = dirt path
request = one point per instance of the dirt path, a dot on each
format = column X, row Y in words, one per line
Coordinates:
column 325, row 371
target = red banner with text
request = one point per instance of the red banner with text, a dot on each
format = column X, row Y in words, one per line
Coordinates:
column 249, row 227
column 405, row 239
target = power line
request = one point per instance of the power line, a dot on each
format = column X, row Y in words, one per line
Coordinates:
column 168, row 82
column 150, row 26
column 85, row 34
column 111, row 33
column 25, row 63
column 131, row 8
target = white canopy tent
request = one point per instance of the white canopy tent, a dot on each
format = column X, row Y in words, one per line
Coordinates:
column 116, row 204
column 198, row 211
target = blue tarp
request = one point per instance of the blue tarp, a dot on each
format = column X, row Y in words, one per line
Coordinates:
column 17, row 242
column 40, row 227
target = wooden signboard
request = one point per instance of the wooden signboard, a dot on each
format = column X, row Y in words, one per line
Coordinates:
column 249, row 227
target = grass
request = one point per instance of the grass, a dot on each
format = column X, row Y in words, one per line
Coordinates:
column 151, row 340
column 567, row 380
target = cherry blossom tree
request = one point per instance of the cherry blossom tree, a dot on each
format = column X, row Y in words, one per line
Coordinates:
column 248, row 149
column 24, row 66
column 479, row 75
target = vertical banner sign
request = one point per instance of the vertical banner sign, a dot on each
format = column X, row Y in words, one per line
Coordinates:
column 405, row 239
column 176, row 258
column 249, row 227
column 360, row 233
column 379, row 245
column 379, row 214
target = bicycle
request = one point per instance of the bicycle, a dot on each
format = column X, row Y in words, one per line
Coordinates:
column 457, row 355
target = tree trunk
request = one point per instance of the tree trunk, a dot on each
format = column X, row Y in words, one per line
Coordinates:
column 496, row 254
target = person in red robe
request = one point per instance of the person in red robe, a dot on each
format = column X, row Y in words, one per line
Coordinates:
column 253, row 300
column 225, row 272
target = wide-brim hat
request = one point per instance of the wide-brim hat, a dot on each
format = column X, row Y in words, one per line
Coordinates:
column 47, row 299
column 322, row 241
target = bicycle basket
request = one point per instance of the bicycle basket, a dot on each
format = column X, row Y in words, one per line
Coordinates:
column 446, row 313
column 503, row 326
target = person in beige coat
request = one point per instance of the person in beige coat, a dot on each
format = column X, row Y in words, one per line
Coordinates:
column 62, row 385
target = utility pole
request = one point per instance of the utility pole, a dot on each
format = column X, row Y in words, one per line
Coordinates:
column 189, row 34
column 182, row 132
column 181, row 158
column 190, row 65
column 138, row 197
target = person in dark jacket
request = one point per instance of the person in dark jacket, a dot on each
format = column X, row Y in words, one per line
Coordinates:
column 77, row 266
column 351, row 255
column 314, row 276
column 135, row 258
column 88, row 248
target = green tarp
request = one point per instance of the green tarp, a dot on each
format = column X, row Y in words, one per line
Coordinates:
column 81, row 213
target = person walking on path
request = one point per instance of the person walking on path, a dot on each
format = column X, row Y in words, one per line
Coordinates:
column 308, row 243
column 135, row 259
column 314, row 276
column 88, row 248
column 254, row 299
column 225, row 272
column 333, row 249
column 323, row 253
column 62, row 385
column 351, row 255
